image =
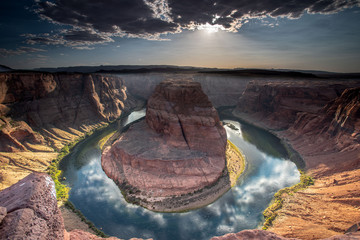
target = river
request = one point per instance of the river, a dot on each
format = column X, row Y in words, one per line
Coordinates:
column 100, row 200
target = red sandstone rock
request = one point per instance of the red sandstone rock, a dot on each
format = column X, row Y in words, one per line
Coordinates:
column 12, row 136
column 180, row 150
column 334, row 128
column 45, row 101
column 327, row 139
column 3, row 213
column 32, row 211
column 251, row 235
column 182, row 112
column 28, row 210
column 266, row 235
column 277, row 103
column 81, row 235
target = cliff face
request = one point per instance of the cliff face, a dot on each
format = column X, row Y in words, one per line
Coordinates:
column 61, row 99
column 321, row 121
column 335, row 128
column 178, row 150
column 184, row 115
column 277, row 103
column 41, row 112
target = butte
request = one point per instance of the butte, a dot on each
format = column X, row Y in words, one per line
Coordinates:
column 174, row 159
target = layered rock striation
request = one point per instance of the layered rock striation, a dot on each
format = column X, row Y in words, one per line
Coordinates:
column 277, row 103
column 320, row 120
column 178, row 150
column 42, row 112
column 49, row 101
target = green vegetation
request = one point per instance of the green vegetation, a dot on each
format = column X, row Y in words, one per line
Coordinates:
column 270, row 213
column 91, row 225
column 62, row 191
column 105, row 139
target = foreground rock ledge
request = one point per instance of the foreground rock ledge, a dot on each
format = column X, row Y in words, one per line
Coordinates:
column 175, row 159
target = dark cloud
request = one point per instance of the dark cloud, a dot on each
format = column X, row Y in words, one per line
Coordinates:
column 78, row 39
column 21, row 50
column 83, row 36
column 106, row 15
column 96, row 21
column 230, row 12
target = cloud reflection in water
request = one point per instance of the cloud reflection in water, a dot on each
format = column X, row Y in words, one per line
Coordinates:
column 101, row 201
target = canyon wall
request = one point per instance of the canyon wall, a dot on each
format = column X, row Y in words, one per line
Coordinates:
column 42, row 112
column 320, row 120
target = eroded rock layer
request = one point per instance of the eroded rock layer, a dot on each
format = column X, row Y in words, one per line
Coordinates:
column 42, row 112
column 178, row 150
column 325, row 131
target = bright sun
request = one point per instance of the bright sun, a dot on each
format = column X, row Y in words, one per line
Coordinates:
column 211, row 28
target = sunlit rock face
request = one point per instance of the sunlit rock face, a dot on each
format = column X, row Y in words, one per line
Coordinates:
column 178, row 149
column 45, row 101
column 31, row 210
column 183, row 114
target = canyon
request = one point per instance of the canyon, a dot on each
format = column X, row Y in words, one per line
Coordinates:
column 40, row 113
column 166, row 162
column 319, row 118
column 321, row 121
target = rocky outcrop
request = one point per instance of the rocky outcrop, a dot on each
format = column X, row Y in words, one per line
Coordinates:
column 32, row 211
column 29, row 210
column 179, row 150
column 251, row 234
column 266, row 235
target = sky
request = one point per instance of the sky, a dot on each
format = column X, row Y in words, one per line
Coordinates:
column 294, row 34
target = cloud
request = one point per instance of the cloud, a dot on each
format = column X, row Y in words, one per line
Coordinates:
column 90, row 22
column 21, row 50
column 77, row 39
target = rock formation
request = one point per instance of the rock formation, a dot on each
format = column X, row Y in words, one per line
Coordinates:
column 321, row 121
column 266, row 235
column 42, row 112
column 338, row 121
column 178, row 150
column 277, row 103
column 29, row 210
